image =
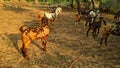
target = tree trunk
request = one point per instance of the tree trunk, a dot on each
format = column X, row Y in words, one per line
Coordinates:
column 36, row 2
column 78, row 6
column 72, row 4
column 93, row 4
column 100, row 3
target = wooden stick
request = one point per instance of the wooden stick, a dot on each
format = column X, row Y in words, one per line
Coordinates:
column 79, row 58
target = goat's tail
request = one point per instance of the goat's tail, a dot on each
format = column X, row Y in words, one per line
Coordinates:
column 21, row 29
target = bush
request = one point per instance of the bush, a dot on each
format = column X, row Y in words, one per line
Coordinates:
column 112, row 4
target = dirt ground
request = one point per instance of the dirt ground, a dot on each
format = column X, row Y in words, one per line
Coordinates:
column 68, row 46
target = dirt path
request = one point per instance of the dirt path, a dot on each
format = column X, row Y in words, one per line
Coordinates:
column 66, row 43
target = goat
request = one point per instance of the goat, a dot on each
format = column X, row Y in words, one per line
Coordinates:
column 113, row 29
column 95, row 26
column 50, row 16
column 83, row 14
column 78, row 17
column 116, row 16
column 92, row 16
column 29, row 34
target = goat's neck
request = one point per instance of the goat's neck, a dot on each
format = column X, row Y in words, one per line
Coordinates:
column 56, row 13
column 100, row 21
column 46, row 25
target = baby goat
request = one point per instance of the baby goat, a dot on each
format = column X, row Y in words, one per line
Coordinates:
column 29, row 34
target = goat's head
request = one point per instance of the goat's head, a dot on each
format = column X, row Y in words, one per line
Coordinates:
column 58, row 10
column 101, row 18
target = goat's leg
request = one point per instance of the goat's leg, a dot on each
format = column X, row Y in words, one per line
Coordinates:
column 93, row 34
column 44, row 41
column 114, row 20
column 44, row 44
column 26, row 42
column 98, row 30
column 25, row 55
column 88, row 32
column 86, row 23
column 51, row 24
column 101, row 40
column 106, row 41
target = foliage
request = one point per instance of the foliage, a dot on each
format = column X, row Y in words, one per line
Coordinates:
column 112, row 4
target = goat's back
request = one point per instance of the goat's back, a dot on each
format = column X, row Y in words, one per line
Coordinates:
column 34, row 33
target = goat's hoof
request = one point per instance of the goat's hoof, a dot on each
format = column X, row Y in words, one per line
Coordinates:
column 27, row 57
column 44, row 49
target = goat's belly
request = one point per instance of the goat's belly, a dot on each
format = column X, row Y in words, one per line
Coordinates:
column 40, row 35
column 49, row 17
column 32, row 35
column 43, row 33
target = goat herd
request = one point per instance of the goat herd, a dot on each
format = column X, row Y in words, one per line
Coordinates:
column 93, row 20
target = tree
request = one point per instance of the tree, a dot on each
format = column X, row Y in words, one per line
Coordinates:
column 36, row 2
column 72, row 4
column 78, row 6
column 93, row 4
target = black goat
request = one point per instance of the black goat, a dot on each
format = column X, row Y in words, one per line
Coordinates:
column 95, row 26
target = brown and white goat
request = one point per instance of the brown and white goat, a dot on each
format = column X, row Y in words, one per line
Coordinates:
column 50, row 16
column 29, row 34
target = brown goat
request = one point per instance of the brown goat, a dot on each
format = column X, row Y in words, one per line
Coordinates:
column 105, row 34
column 78, row 17
column 29, row 34
column 109, row 29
